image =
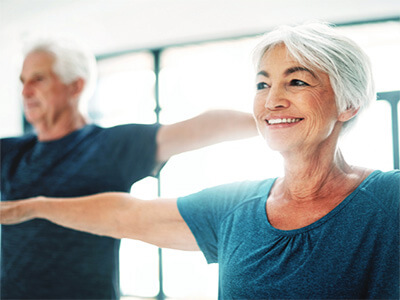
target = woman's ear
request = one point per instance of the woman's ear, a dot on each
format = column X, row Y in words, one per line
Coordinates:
column 348, row 114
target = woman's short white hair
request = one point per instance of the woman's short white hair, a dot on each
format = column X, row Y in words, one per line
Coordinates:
column 318, row 46
column 72, row 60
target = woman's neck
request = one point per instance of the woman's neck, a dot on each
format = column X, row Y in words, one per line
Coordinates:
column 316, row 177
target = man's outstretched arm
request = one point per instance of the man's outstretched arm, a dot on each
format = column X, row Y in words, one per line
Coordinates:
column 209, row 128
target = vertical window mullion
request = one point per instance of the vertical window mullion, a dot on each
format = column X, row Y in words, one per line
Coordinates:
column 157, row 110
column 393, row 98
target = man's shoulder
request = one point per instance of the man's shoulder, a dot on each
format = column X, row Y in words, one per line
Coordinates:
column 9, row 143
column 127, row 133
column 132, row 127
column 17, row 139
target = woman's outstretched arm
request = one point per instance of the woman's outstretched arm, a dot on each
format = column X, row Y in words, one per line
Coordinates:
column 116, row 215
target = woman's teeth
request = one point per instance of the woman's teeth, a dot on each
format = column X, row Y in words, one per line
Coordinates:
column 281, row 121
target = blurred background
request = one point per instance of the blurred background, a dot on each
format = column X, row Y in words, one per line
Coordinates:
column 169, row 60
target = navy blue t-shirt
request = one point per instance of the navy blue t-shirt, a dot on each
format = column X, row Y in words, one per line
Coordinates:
column 40, row 260
column 351, row 253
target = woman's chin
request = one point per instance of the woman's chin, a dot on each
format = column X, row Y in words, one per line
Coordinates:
column 277, row 145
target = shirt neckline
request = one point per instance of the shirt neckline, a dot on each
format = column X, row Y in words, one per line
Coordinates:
column 71, row 136
column 320, row 221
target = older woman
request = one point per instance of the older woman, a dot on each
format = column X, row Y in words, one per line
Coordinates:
column 326, row 229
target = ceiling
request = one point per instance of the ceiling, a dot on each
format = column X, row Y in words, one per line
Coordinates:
column 117, row 25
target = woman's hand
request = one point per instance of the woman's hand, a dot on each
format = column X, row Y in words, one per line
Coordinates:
column 116, row 215
column 18, row 211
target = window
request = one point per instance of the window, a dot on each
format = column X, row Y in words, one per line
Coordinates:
column 370, row 142
column 124, row 91
column 125, row 94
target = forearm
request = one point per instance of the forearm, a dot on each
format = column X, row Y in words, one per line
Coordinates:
column 115, row 215
column 99, row 214
column 206, row 129
column 223, row 125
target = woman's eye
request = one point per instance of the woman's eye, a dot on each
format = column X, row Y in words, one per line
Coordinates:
column 262, row 85
column 297, row 82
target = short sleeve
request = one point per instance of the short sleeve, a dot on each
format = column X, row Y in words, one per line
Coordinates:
column 387, row 189
column 135, row 147
column 205, row 211
column 201, row 213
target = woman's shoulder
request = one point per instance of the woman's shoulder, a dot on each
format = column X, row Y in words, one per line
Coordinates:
column 244, row 189
column 228, row 196
column 220, row 201
column 384, row 188
column 372, row 177
column 378, row 177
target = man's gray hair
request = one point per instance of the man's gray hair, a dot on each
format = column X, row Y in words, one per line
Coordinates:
column 319, row 46
column 72, row 60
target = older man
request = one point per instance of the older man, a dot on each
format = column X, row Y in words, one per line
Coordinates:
column 68, row 157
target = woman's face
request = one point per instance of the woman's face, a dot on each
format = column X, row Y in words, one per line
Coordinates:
column 294, row 107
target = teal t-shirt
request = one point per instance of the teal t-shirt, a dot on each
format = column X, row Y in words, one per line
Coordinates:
column 351, row 253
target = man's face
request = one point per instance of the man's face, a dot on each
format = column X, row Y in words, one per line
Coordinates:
column 45, row 97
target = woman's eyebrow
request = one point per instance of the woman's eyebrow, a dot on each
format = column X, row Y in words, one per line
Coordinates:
column 289, row 71
column 298, row 69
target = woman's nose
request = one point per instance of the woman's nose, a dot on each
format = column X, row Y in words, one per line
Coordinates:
column 277, row 99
